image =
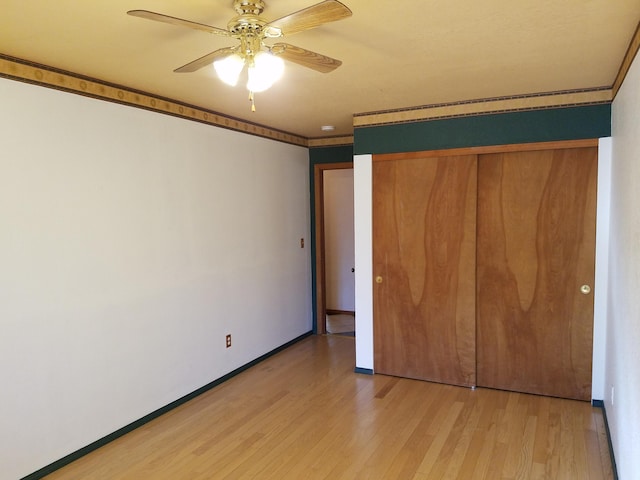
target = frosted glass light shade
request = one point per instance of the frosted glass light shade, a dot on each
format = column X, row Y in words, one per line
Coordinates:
column 229, row 68
column 265, row 71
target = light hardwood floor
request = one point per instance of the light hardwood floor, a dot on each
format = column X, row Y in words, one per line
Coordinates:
column 303, row 413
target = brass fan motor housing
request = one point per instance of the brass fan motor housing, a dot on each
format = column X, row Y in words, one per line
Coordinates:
column 246, row 7
column 246, row 23
column 248, row 19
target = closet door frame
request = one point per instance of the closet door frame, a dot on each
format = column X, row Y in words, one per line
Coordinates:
column 485, row 150
column 518, row 147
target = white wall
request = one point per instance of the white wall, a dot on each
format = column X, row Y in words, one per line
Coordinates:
column 623, row 334
column 131, row 243
column 602, row 269
column 363, row 226
column 338, row 239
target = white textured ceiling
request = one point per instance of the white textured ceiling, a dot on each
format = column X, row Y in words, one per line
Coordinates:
column 395, row 53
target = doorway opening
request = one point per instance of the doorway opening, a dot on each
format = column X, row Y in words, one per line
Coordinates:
column 341, row 323
column 334, row 262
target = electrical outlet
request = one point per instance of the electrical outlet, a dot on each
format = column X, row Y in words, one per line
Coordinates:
column 228, row 341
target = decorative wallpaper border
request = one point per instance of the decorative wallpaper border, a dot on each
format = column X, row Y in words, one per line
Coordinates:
column 22, row 70
column 486, row 106
column 540, row 101
column 330, row 141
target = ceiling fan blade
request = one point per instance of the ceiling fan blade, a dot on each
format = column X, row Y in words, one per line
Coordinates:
column 306, row 58
column 159, row 17
column 208, row 59
column 310, row 17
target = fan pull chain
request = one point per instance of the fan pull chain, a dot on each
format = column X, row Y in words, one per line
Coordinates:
column 253, row 103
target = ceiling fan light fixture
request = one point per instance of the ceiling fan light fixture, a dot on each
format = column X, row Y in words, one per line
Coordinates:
column 228, row 69
column 265, row 71
column 265, row 63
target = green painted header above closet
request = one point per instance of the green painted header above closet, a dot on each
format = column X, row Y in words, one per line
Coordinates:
column 331, row 154
column 573, row 123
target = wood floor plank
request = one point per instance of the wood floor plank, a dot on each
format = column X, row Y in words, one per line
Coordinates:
column 406, row 463
column 488, row 445
column 304, row 414
column 517, row 415
column 540, row 450
column 387, row 441
column 433, row 454
column 525, row 461
column 463, row 442
column 552, row 460
column 481, row 435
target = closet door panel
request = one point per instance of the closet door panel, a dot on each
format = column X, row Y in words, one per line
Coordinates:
column 535, row 250
column 424, row 231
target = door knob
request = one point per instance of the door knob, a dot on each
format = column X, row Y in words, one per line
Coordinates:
column 378, row 279
column 585, row 289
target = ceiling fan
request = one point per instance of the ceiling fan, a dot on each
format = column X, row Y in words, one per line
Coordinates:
column 263, row 61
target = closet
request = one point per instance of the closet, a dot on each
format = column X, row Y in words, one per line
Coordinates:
column 483, row 265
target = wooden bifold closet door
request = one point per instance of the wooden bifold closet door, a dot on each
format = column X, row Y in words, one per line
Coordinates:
column 424, row 236
column 483, row 268
column 536, row 251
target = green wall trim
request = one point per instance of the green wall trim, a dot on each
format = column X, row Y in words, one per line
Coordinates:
column 363, row 371
column 58, row 464
column 547, row 125
column 338, row 154
column 318, row 155
column 600, row 404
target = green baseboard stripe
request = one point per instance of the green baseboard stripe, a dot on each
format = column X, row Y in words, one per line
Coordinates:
column 364, row 371
column 600, row 404
column 153, row 415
